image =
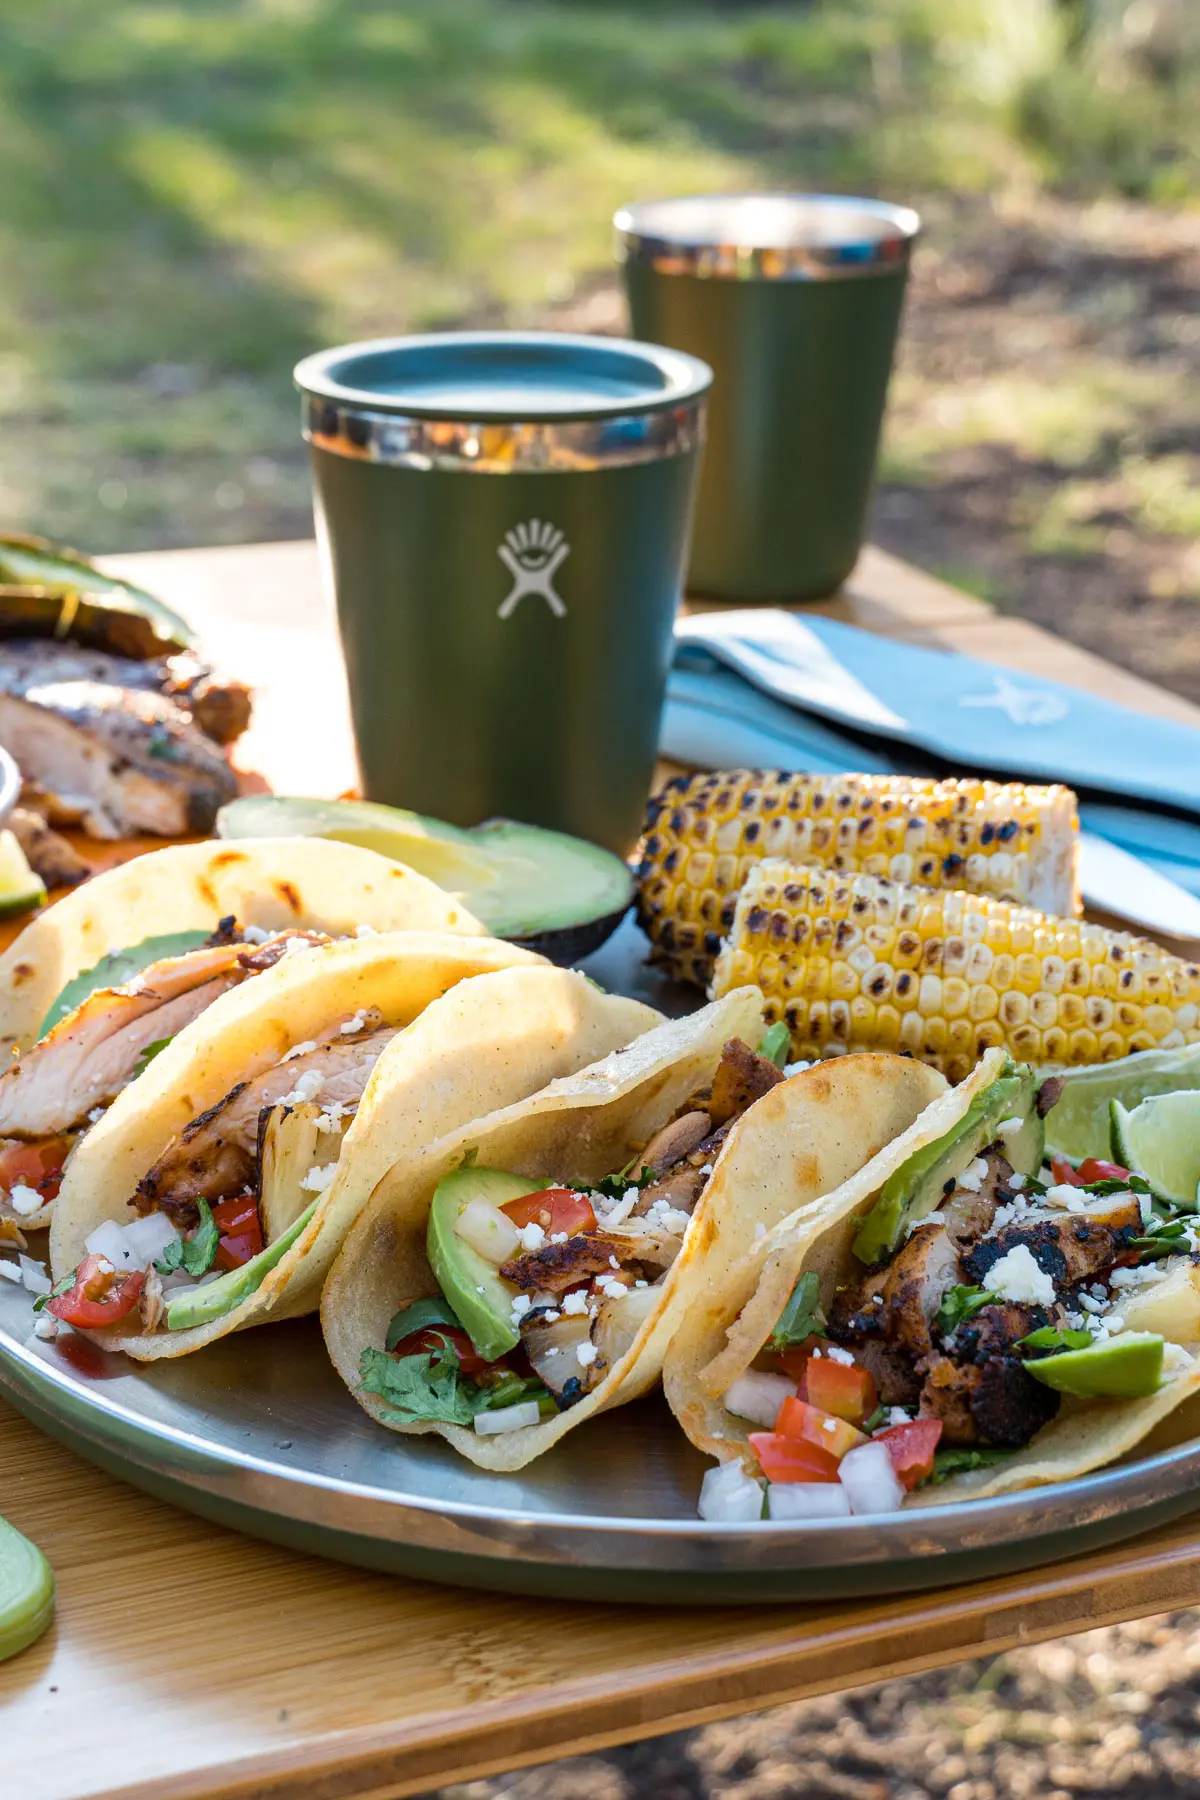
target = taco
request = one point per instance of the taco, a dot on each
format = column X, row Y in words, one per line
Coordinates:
column 97, row 985
column 531, row 1270
column 214, row 1193
column 955, row 1320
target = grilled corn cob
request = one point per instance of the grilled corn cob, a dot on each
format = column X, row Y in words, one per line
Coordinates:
column 857, row 962
column 705, row 832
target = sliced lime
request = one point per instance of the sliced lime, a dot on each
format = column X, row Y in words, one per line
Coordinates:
column 1126, row 1368
column 26, row 1592
column 20, row 888
column 1079, row 1125
column 1160, row 1139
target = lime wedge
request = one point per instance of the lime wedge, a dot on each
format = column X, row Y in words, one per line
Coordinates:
column 1079, row 1124
column 1160, row 1139
column 20, row 888
column 26, row 1592
column 1127, row 1368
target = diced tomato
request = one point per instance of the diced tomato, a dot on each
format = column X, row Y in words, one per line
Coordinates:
column 1092, row 1168
column 797, row 1419
column 38, row 1166
column 842, row 1389
column 791, row 1459
column 794, row 1361
column 554, row 1209
column 99, row 1297
column 911, row 1448
column 430, row 1337
column 240, row 1227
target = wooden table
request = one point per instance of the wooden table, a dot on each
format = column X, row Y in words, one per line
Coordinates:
column 189, row 1663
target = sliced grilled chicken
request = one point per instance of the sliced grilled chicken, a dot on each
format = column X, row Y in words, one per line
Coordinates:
column 128, row 762
column 917, row 1280
column 220, row 708
column 742, row 1077
column 216, row 1155
column 93, row 1053
column 50, row 856
column 996, row 1401
column 1070, row 1247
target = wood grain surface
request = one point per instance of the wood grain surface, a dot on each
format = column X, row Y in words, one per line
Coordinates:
column 191, row 1663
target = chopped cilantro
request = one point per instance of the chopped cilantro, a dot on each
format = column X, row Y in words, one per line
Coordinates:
column 60, row 1287
column 802, row 1316
column 194, row 1255
column 1053, row 1337
column 960, row 1304
column 956, row 1461
column 1162, row 1237
column 432, row 1310
column 878, row 1417
column 430, row 1385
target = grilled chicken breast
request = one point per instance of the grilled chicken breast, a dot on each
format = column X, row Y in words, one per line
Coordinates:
column 221, row 709
column 216, row 1156
column 126, row 762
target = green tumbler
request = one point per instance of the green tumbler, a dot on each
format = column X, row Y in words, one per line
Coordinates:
column 503, row 519
column 794, row 301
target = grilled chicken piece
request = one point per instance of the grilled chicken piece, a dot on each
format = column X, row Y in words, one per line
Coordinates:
column 58, row 863
column 1070, row 1247
column 92, row 1054
column 917, row 1280
column 674, row 1142
column 969, row 1214
column 894, row 1370
column 995, row 1402
column 216, row 1155
column 221, row 709
column 128, row 762
column 742, row 1077
column 556, row 1267
column 1048, row 1095
column 998, row 1329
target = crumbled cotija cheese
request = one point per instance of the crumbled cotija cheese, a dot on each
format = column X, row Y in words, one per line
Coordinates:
column 1017, row 1277
column 307, row 1088
column 318, row 1178
column 575, row 1303
column 585, row 1355
column 972, row 1177
column 24, row 1200
column 532, row 1236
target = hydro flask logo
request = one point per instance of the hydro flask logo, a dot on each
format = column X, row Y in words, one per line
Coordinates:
column 533, row 553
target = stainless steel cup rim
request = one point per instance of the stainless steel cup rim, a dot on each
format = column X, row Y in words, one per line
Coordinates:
column 672, row 379
column 10, row 784
column 768, row 236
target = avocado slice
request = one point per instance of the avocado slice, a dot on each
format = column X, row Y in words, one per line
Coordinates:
column 118, row 967
column 549, row 892
column 1125, row 1368
column 481, row 1299
column 916, row 1188
column 51, row 592
column 213, row 1299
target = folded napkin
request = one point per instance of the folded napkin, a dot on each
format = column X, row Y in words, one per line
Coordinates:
column 762, row 688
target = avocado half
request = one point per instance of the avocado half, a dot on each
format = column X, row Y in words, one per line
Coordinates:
column 542, row 889
column 46, row 591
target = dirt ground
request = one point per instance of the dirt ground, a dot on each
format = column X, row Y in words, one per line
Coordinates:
column 1109, row 1713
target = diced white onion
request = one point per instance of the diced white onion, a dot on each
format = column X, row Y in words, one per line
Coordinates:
column 808, row 1500
column 33, row 1274
column 507, row 1418
column 133, row 1246
column 758, row 1396
column 870, row 1480
column 488, row 1230
column 10, row 1271
column 728, row 1495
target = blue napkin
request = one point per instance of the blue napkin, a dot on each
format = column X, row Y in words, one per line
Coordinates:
column 762, row 688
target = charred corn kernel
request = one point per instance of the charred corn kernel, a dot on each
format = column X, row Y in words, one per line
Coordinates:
column 705, row 832
column 858, row 962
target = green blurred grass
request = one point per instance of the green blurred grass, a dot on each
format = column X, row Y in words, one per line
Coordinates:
column 192, row 195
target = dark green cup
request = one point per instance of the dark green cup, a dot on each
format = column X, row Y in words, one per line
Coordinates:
column 794, row 301
column 503, row 519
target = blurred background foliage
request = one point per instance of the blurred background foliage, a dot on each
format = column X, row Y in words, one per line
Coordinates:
column 193, row 193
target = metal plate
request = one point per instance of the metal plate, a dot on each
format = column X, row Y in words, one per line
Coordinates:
column 258, row 1432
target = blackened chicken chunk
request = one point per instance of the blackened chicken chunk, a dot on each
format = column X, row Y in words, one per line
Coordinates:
column 998, row 1329
column 742, row 1077
column 1072, row 1248
column 1048, row 1095
column 994, row 1402
column 556, row 1267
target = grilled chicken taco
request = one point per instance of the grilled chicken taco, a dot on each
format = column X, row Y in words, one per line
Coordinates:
column 97, row 986
column 956, row 1320
column 215, row 1191
column 531, row 1270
